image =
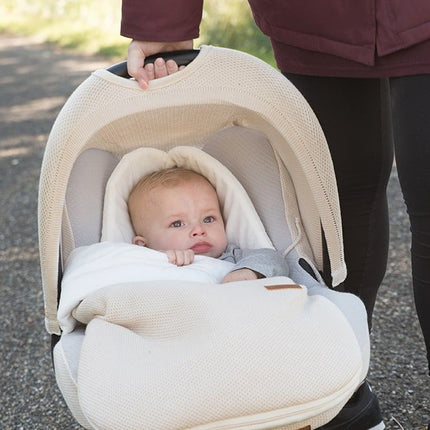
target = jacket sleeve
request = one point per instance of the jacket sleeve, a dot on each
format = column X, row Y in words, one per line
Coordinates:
column 161, row 20
column 265, row 261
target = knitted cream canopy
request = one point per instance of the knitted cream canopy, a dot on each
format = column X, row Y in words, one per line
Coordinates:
column 221, row 88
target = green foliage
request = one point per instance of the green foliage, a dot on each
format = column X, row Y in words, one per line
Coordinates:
column 93, row 27
column 74, row 24
column 229, row 23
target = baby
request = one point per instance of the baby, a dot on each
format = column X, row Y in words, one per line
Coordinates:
column 177, row 211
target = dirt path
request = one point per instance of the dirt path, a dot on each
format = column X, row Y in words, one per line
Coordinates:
column 35, row 81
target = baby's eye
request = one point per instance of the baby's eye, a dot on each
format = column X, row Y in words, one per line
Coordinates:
column 176, row 224
column 208, row 219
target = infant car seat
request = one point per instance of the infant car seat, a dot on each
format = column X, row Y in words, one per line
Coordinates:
column 282, row 353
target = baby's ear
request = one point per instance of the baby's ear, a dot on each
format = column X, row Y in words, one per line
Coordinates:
column 139, row 240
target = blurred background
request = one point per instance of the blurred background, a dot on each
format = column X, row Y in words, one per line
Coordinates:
column 87, row 26
column 35, row 80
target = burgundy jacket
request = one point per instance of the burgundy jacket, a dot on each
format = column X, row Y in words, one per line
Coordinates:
column 368, row 38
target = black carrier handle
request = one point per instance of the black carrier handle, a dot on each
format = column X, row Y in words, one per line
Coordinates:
column 182, row 58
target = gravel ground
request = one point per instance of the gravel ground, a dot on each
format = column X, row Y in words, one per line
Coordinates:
column 35, row 81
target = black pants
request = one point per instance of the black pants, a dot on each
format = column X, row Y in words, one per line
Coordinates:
column 361, row 119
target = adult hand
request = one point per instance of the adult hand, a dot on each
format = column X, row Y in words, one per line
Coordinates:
column 139, row 50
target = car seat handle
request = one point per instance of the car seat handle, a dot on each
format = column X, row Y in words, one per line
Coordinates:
column 182, row 58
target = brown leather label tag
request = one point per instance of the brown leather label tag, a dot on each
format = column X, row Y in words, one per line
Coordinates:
column 305, row 428
column 284, row 287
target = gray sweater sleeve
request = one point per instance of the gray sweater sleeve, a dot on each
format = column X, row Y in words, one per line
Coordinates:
column 268, row 262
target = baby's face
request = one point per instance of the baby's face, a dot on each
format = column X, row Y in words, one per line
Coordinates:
column 185, row 216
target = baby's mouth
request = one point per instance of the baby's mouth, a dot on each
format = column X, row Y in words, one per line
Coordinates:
column 201, row 247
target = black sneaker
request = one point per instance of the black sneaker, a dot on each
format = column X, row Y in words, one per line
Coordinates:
column 362, row 412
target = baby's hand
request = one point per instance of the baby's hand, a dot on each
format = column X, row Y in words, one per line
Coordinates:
column 180, row 257
column 240, row 275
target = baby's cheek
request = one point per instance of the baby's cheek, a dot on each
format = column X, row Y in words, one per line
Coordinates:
column 177, row 240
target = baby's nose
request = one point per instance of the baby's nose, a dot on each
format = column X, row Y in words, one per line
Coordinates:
column 198, row 230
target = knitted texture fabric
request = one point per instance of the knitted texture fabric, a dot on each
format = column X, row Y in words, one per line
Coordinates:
column 174, row 355
column 220, row 88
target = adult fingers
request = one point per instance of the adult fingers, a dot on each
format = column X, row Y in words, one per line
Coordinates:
column 150, row 73
column 160, row 69
column 135, row 60
column 171, row 67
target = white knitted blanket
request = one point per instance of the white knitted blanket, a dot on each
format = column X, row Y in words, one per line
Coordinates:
column 92, row 267
column 190, row 355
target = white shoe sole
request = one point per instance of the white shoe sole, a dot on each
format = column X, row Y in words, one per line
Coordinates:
column 380, row 426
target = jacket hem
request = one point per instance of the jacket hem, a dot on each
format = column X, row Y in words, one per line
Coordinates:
column 353, row 72
column 364, row 54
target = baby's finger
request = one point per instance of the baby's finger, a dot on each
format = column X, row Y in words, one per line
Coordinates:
column 180, row 258
column 171, row 256
column 188, row 256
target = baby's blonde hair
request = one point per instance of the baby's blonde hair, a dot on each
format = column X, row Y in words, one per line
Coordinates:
column 170, row 177
column 166, row 177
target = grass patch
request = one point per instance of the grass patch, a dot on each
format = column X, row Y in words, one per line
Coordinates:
column 93, row 28
column 72, row 24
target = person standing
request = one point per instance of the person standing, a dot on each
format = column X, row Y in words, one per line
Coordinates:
column 364, row 68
